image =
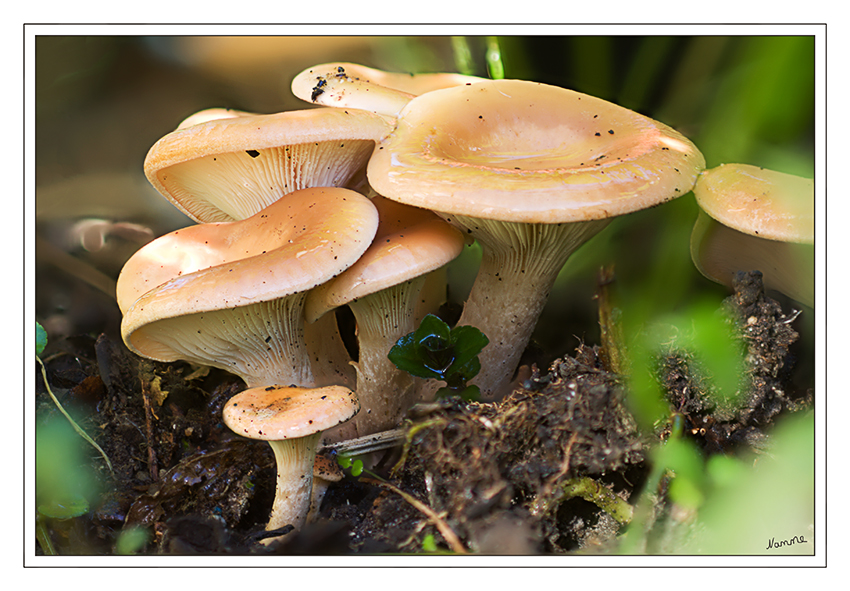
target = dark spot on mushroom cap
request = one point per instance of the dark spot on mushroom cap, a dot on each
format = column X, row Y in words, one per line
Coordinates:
column 252, row 153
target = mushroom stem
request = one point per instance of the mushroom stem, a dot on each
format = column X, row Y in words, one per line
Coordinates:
column 294, row 481
column 718, row 251
column 385, row 392
column 331, row 362
column 519, row 265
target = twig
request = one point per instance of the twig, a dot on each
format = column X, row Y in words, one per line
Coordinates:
column 544, row 498
column 76, row 427
column 438, row 521
column 612, row 349
column 152, row 463
column 367, row 443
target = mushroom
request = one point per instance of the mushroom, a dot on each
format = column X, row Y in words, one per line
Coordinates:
column 213, row 114
column 232, row 164
column 752, row 218
column 382, row 289
column 231, row 294
column 326, row 471
column 352, row 85
column 531, row 171
column 292, row 420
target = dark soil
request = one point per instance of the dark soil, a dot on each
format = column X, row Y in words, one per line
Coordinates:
column 483, row 477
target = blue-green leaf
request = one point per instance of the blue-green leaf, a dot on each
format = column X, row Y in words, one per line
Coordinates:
column 40, row 339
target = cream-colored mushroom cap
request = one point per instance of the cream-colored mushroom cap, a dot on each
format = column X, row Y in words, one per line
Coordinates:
column 233, row 165
column 410, row 242
column 760, row 202
column 213, row 114
column 527, row 152
column 275, row 413
column 168, row 289
column 345, row 84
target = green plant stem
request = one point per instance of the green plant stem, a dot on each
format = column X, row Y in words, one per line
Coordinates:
column 601, row 496
column 43, row 537
column 414, row 429
column 590, row 490
column 76, row 427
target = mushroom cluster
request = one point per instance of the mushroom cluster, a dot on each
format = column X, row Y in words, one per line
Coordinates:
column 277, row 220
column 362, row 201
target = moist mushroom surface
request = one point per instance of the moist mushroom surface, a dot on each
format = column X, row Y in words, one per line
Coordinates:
column 231, row 165
column 231, row 294
column 752, row 218
column 531, row 171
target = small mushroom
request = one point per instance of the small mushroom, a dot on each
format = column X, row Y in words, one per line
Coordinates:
column 352, row 85
column 231, row 165
column 326, row 471
column 231, row 294
column 752, row 218
column 531, row 171
column 292, row 421
column 382, row 289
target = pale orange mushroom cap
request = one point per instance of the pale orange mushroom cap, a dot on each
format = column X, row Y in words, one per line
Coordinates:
column 752, row 218
column 760, row 202
column 174, row 290
column 224, row 165
column 522, row 151
column 410, row 243
column 345, row 84
column 275, row 413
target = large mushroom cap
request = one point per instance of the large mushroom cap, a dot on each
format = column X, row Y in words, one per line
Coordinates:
column 275, row 413
column 410, row 242
column 760, row 202
column 290, row 247
column 527, row 152
column 344, row 84
column 231, row 164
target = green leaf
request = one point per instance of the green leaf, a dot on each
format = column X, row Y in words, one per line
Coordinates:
column 73, row 506
column 471, row 394
column 406, row 356
column 40, row 339
column 468, row 342
column 131, row 541
column 429, row 544
column 344, row 461
column 467, row 371
column 432, row 326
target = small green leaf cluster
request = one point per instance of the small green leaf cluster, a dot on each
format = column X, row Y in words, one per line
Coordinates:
column 356, row 465
column 437, row 352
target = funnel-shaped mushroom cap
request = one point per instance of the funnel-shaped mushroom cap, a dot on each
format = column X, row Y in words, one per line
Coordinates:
column 760, row 202
column 410, row 242
column 521, row 151
column 352, row 85
column 275, row 413
column 232, row 165
column 204, row 292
